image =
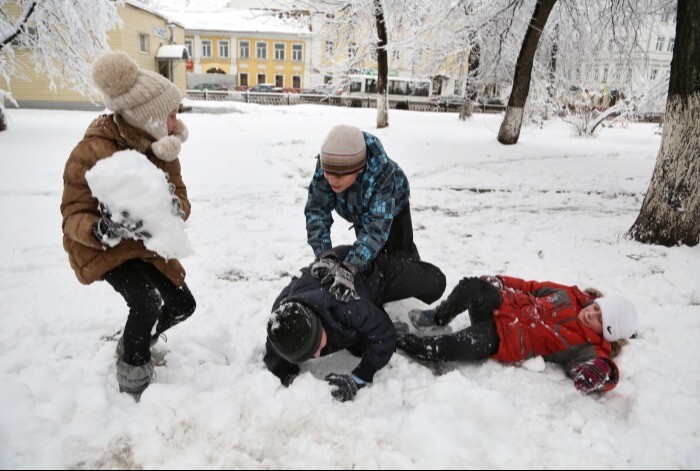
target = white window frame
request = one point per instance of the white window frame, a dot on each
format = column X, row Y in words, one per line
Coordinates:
column 206, row 48
column 297, row 52
column 189, row 46
column 261, row 46
column 244, row 46
column 671, row 43
column 224, row 44
column 144, row 43
column 660, row 43
column 280, row 51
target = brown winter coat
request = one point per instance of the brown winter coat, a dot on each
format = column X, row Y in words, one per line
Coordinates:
column 88, row 257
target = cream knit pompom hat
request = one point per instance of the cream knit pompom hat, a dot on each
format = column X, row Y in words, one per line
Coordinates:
column 142, row 97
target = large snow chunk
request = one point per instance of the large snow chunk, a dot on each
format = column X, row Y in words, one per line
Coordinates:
column 128, row 181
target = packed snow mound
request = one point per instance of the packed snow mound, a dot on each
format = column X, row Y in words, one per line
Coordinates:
column 128, row 181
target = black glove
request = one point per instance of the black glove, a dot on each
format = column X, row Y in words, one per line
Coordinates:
column 175, row 202
column 344, row 387
column 326, row 262
column 106, row 230
column 343, row 286
column 109, row 232
column 288, row 380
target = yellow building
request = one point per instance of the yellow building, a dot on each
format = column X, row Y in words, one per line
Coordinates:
column 250, row 47
column 145, row 37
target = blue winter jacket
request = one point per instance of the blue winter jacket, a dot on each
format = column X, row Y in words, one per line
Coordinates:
column 371, row 203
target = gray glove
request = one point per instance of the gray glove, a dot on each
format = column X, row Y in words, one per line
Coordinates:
column 326, row 262
column 342, row 277
column 344, row 386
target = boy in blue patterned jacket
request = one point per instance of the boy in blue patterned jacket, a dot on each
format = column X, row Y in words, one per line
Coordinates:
column 356, row 178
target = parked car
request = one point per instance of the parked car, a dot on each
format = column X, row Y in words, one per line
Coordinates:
column 212, row 87
column 265, row 88
column 450, row 102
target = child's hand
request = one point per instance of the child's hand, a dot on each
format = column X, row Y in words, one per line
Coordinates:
column 593, row 375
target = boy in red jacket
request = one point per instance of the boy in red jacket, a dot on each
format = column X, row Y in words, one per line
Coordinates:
column 513, row 320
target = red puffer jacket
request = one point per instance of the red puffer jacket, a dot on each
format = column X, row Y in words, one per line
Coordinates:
column 541, row 319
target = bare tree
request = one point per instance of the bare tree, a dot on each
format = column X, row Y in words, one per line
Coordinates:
column 513, row 120
column 670, row 213
column 382, row 67
column 60, row 38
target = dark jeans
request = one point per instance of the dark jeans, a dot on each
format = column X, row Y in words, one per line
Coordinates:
column 403, row 278
column 152, row 298
column 475, row 343
column 400, row 240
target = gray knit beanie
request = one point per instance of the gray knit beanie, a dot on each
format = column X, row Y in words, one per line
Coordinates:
column 142, row 97
column 344, row 150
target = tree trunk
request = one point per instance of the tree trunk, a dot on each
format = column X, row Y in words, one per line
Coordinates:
column 382, row 66
column 513, row 120
column 670, row 213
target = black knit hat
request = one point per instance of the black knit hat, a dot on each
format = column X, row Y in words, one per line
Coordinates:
column 294, row 330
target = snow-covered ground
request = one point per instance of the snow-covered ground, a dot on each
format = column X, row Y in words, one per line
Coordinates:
column 552, row 207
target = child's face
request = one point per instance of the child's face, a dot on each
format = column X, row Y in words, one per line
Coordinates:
column 340, row 183
column 171, row 122
column 591, row 317
column 324, row 341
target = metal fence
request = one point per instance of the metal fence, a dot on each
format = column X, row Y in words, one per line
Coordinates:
column 330, row 100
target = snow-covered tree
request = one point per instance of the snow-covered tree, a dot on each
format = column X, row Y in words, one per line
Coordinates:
column 670, row 212
column 60, row 38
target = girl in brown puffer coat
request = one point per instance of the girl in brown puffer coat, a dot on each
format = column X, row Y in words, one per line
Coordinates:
column 145, row 119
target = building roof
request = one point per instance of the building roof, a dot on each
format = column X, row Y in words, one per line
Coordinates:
column 240, row 21
column 153, row 12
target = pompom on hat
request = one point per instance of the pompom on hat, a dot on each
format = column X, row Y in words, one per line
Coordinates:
column 344, row 151
column 142, row 97
column 295, row 332
column 620, row 319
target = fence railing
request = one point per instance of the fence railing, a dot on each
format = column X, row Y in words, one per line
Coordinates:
column 330, row 100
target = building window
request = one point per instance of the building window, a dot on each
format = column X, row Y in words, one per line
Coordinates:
column 653, row 73
column 144, row 43
column 243, row 80
column 296, row 81
column 261, row 51
column 671, row 43
column 374, row 55
column 279, row 80
column 297, row 53
column 397, row 55
column 206, row 48
column 352, row 50
column 223, row 49
column 279, row 52
column 244, row 50
column 595, row 74
column 262, row 78
column 188, row 45
column 330, row 48
column 605, row 75
column 668, row 15
column 660, row 43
